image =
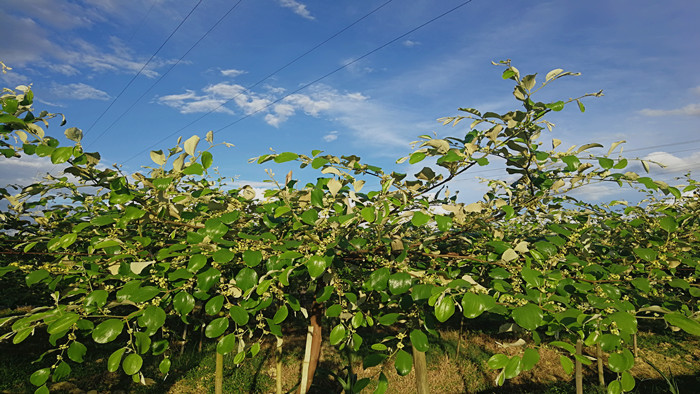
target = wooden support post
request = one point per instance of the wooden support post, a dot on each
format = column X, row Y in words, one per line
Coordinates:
column 599, row 357
column 421, row 372
column 579, row 369
column 219, row 374
column 278, row 359
column 635, row 350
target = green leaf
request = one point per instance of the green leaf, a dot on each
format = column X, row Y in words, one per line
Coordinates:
column 142, row 341
column 196, row 263
column 382, row 384
column 615, row 387
column 216, row 327
column 183, row 303
column 610, row 342
column 619, row 362
column 419, row 340
column 512, row 369
column 533, row 278
column 416, row 157
column 419, row 219
column 252, row 257
column 221, row 256
column 530, row 358
column 566, row 346
column 36, row 276
column 556, row 106
column 668, row 223
column 206, row 160
column 334, row 310
column 444, row 308
column 645, row 253
column 686, row 324
column 285, row 156
column 378, row 279
column 40, row 376
column 152, row 318
column 528, row 316
column 213, row 228
column 191, row 145
column 388, row 319
column 239, row 315
column 107, row 331
column 403, row 363
column 472, row 305
column 368, row 214
column 158, row 157
column 115, row 359
column 606, row 163
column 337, row 334
column 246, row 278
column 626, row 322
column 627, row 381
column 63, row 323
column 61, row 155
column 567, row 364
column 280, row 315
column 132, row 364
column 61, row 372
column 226, row 344
column 206, row 279
column 316, row 265
column 497, row 361
column 164, row 366
column 76, row 351
column 214, row 305
column 399, row 283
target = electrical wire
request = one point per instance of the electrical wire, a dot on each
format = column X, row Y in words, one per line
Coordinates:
column 321, row 77
column 120, row 117
column 247, row 89
column 142, row 68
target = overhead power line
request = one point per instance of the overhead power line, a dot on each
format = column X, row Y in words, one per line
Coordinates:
column 323, row 76
column 247, row 89
column 142, row 68
column 120, row 117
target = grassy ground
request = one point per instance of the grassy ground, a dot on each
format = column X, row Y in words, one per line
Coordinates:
column 456, row 363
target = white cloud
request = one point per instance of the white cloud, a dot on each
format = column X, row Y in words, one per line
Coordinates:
column 78, row 91
column 26, row 170
column 189, row 102
column 331, row 136
column 297, row 7
column 688, row 110
column 232, row 72
column 696, row 90
column 410, row 43
column 673, row 163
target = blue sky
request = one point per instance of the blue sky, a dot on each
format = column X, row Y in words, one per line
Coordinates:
column 79, row 55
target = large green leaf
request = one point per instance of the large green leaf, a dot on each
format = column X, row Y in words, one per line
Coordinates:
column 403, row 363
column 63, row 323
column 183, row 303
column 528, row 316
column 472, row 305
column 115, row 359
column 239, row 315
column 683, row 322
column 619, row 362
column 132, row 364
column 108, row 330
column 316, row 265
column 419, row 340
column 216, row 327
column 76, row 351
column 40, row 376
column 214, row 305
column 153, row 318
column 378, row 279
column 337, row 334
column 207, row 279
column 226, row 344
column 444, row 308
column 399, row 283
column 246, row 278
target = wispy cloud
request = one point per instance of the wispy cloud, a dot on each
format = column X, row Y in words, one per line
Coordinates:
column 331, row 136
column 688, row 110
column 298, row 8
column 232, row 72
column 410, row 43
column 189, row 102
column 78, row 91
